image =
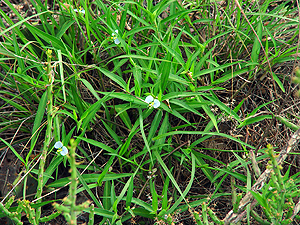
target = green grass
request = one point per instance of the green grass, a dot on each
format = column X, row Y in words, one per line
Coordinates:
column 219, row 72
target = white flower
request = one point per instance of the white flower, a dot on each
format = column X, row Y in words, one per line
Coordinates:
column 114, row 37
column 60, row 148
column 80, row 10
column 155, row 103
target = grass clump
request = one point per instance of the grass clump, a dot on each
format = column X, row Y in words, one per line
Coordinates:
column 149, row 112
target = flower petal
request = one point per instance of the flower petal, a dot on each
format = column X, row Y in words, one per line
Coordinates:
column 117, row 41
column 64, row 151
column 58, row 145
column 156, row 103
column 80, row 10
column 116, row 31
column 149, row 99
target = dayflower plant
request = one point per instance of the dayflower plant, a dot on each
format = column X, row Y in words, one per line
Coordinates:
column 152, row 102
column 114, row 37
column 60, row 148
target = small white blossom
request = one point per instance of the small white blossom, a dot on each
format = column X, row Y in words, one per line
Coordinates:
column 152, row 102
column 114, row 37
column 60, row 148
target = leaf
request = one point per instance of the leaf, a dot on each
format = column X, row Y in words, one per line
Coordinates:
column 22, row 21
column 275, row 77
column 77, row 100
column 88, row 178
column 260, row 199
column 82, row 181
column 113, row 77
column 175, row 54
column 102, row 212
column 14, row 151
column 37, row 122
column 164, row 203
column 203, row 166
column 287, row 123
column 115, row 137
column 203, row 133
column 222, row 106
column 207, row 71
column 137, row 81
column 64, row 28
column 90, row 87
column 57, row 43
column 154, row 197
column 254, row 120
column 186, row 106
column 256, row 47
column 89, row 114
column 52, row 167
column 98, row 144
column 229, row 75
column 105, row 170
column 129, row 193
column 188, row 187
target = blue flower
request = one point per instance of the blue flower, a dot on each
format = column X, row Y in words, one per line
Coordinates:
column 114, row 37
column 152, row 102
column 80, row 10
column 60, row 148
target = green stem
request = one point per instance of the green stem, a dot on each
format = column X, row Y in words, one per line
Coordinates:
column 73, row 185
column 48, row 135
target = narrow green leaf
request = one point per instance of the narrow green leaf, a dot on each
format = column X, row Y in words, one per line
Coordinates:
column 164, row 203
column 211, row 70
column 115, row 137
column 186, row 106
column 154, row 197
column 105, row 170
column 278, row 81
column 254, row 120
column 129, row 194
column 203, row 133
column 287, row 123
column 119, row 80
column 14, row 151
column 89, row 114
column 202, row 164
column 90, row 87
column 89, row 178
column 98, row 144
column 82, row 181
column 77, row 100
column 37, row 122
column 256, row 46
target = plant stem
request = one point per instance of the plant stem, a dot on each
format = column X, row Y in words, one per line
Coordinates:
column 48, row 135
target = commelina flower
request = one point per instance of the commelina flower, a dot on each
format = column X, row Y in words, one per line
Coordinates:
column 60, row 148
column 81, row 10
column 114, row 37
column 152, row 102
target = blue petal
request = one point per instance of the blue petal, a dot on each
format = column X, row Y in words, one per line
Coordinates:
column 156, row 103
column 149, row 99
column 58, row 145
column 117, row 41
column 64, row 151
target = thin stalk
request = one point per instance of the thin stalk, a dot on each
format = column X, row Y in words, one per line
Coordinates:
column 48, row 134
column 73, row 185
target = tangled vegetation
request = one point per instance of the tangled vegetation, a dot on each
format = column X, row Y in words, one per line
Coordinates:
column 149, row 112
